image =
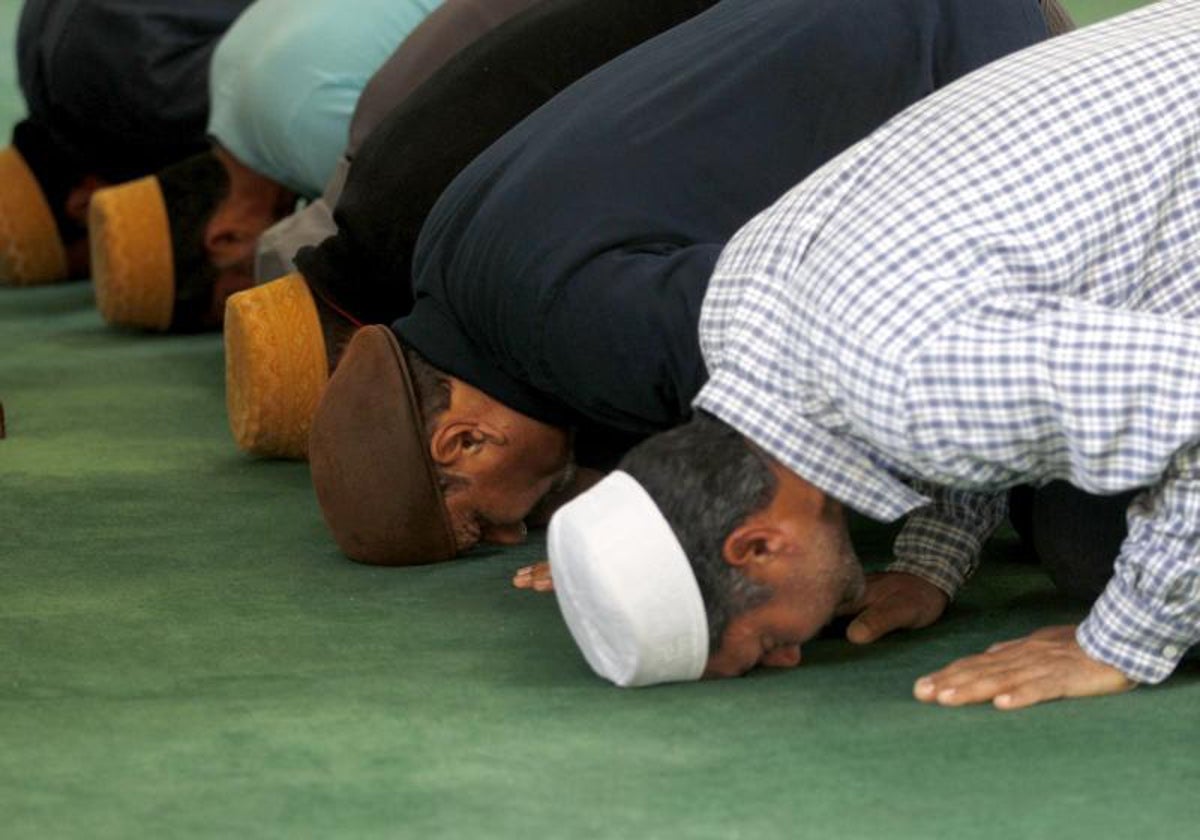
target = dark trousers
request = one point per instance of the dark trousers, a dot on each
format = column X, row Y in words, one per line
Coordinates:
column 1074, row 535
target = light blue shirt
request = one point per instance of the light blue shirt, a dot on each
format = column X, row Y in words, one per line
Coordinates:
column 286, row 77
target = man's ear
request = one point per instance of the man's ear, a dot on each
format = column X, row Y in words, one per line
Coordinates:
column 456, row 441
column 225, row 239
column 467, row 428
column 80, row 197
column 752, row 542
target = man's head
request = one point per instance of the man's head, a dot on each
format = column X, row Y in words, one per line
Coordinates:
column 494, row 464
column 205, row 215
column 413, row 466
column 769, row 552
column 44, row 197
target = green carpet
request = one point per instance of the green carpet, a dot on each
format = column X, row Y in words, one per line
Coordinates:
column 183, row 653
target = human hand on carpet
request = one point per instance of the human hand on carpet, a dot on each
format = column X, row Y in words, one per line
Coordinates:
column 535, row 577
column 1046, row 665
column 893, row 601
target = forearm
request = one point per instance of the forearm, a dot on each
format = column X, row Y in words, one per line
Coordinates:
column 1149, row 615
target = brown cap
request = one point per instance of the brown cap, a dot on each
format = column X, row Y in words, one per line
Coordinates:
column 275, row 367
column 371, row 467
column 31, row 249
column 132, row 266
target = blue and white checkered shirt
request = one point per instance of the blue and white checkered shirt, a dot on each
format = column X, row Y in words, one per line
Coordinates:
column 1000, row 286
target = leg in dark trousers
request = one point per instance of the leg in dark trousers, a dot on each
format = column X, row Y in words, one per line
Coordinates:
column 1077, row 536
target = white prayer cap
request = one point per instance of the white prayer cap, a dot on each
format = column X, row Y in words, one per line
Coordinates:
column 625, row 587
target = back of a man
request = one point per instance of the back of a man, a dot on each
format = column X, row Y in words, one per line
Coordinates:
column 114, row 90
column 559, row 277
column 584, row 239
column 998, row 287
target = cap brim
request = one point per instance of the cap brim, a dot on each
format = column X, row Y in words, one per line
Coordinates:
column 371, row 468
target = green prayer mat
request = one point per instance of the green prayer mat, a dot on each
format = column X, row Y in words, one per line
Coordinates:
column 184, row 653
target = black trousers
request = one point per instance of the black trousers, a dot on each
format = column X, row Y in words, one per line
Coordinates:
column 1074, row 535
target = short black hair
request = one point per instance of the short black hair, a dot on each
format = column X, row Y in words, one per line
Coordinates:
column 707, row 480
column 192, row 190
column 432, row 388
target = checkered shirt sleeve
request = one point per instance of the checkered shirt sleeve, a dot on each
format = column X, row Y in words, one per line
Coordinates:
column 942, row 541
column 998, row 287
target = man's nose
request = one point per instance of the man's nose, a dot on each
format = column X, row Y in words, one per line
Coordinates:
column 513, row 534
column 784, row 656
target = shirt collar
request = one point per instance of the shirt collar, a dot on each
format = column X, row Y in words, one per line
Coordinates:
column 833, row 462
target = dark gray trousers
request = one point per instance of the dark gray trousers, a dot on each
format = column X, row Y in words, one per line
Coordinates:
column 1074, row 535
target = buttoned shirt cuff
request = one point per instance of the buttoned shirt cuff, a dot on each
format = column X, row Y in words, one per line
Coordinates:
column 934, row 555
column 941, row 543
column 1130, row 632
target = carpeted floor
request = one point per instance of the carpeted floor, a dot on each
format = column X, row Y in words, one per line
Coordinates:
column 183, row 653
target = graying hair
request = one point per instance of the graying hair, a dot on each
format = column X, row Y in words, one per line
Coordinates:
column 707, row 480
